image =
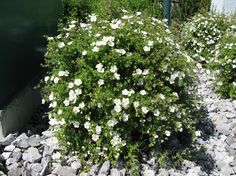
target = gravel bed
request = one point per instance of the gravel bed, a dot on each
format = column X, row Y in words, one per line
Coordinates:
column 35, row 152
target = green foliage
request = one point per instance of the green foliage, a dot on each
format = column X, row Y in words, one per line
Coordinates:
column 110, row 8
column 118, row 88
column 188, row 8
column 202, row 33
column 224, row 64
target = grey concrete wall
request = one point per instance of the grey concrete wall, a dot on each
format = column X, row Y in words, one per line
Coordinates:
column 18, row 112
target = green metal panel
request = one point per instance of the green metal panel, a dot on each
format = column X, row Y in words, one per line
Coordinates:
column 23, row 24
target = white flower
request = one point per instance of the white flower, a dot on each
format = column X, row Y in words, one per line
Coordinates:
column 198, row 133
column 172, row 109
column 51, row 96
column 145, row 72
column 66, row 102
column 139, row 71
column 113, row 69
column 144, row 109
column 115, row 140
column 75, row 124
column 136, row 104
column 162, row 96
column 43, row 101
column 78, row 91
column 83, row 25
column 71, row 85
column 76, row 110
column 61, row 45
column 56, row 79
column 100, row 82
column 138, row 13
column 95, row 49
column 146, row 48
column 50, row 38
column 84, row 53
column 100, row 68
column 73, row 22
column 125, row 102
column 117, row 101
column 59, row 112
column 81, row 105
column 53, row 104
column 46, row 78
column 95, row 137
column 167, row 133
column 116, row 24
column 63, row 73
column 156, row 112
column 117, row 108
column 150, row 43
column 72, row 95
column 131, row 92
column 120, row 51
column 112, row 122
column 143, row 92
column 117, row 76
column 93, row 18
column 87, row 125
column 125, row 92
column 70, row 43
column 125, row 117
column 77, row 82
column 98, row 129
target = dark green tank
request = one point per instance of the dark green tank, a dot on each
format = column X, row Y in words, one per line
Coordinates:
column 23, row 25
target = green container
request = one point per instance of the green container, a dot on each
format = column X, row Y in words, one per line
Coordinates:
column 23, row 25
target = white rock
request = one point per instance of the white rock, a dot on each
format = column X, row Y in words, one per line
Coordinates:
column 9, row 148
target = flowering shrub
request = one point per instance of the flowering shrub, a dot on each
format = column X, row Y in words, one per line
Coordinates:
column 118, row 88
column 202, row 34
column 224, row 64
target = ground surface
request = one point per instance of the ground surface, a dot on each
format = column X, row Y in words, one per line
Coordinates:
column 35, row 152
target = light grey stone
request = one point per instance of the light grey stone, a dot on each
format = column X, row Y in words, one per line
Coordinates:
column 48, row 150
column 35, row 169
column 65, row 171
column 31, row 155
column 15, row 172
column 12, row 166
column 9, row 148
column 149, row 173
column 188, row 164
column 16, row 155
column 34, row 141
column 222, row 129
column 230, row 115
column 8, row 140
column 26, row 172
column 94, row 169
column 76, row 165
column 10, row 161
column 21, row 141
column 47, row 134
column 45, row 164
column 2, row 174
column 162, row 172
column 233, row 146
column 122, row 172
column 115, row 172
column 5, row 155
column 105, row 168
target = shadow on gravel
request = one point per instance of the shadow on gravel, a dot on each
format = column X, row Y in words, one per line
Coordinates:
column 183, row 148
column 38, row 122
